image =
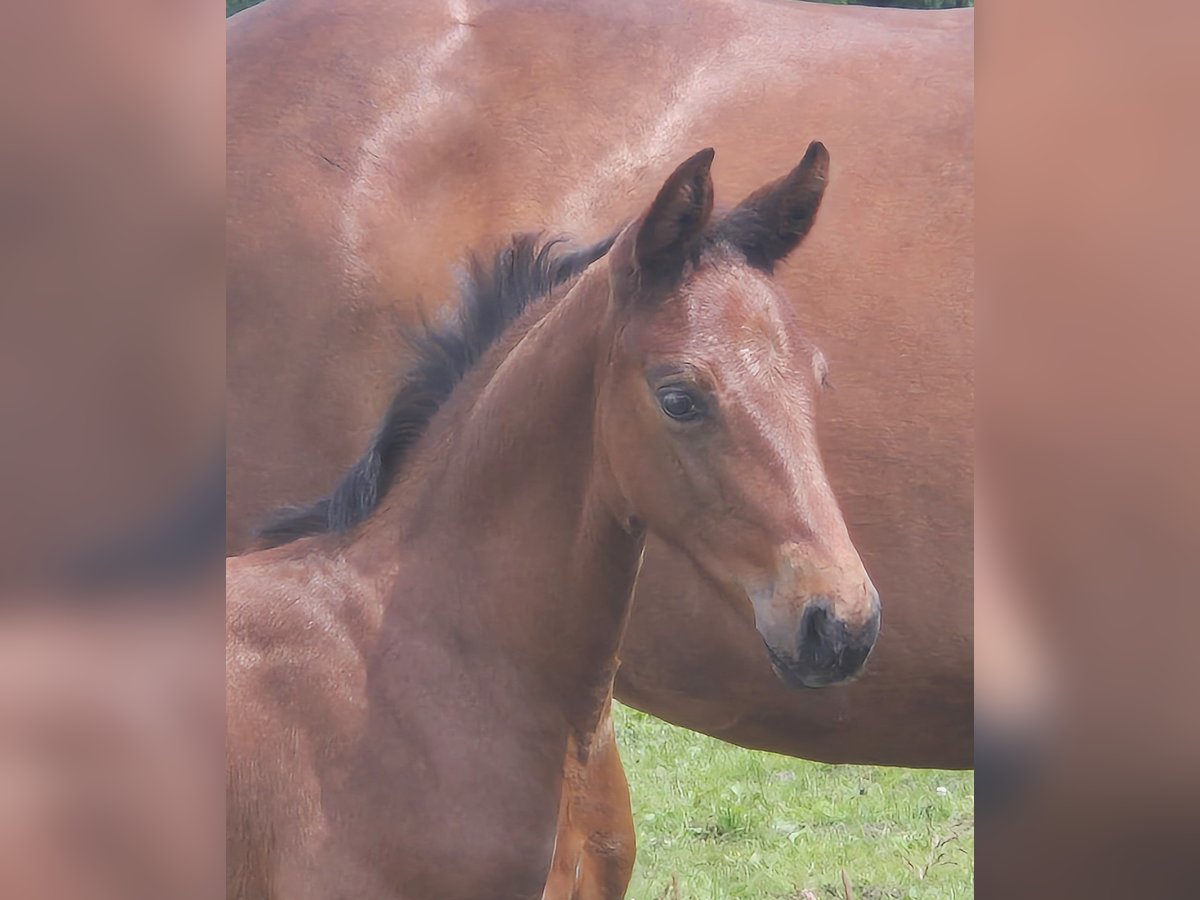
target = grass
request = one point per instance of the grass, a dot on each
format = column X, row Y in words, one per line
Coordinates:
column 716, row 821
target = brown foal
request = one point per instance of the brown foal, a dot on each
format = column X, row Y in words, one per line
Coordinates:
column 402, row 696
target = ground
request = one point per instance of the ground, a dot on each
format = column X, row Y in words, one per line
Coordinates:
column 716, row 821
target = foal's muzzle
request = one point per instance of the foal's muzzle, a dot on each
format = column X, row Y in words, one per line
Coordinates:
column 827, row 650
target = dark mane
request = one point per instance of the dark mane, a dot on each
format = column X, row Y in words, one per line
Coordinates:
column 492, row 297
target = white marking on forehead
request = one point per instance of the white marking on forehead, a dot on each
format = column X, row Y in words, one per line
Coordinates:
column 762, row 380
column 790, row 438
column 423, row 101
column 762, row 341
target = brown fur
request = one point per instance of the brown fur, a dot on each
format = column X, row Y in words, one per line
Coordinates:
column 340, row 142
column 482, row 145
column 402, row 697
column 595, row 843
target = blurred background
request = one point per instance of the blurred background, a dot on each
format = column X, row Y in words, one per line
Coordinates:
column 1087, row 413
column 111, row 343
column 111, row 450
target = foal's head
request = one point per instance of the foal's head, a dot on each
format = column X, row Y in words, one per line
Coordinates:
column 706, row 412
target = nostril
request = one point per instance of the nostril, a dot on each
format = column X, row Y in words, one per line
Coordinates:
column 827, row 650
column 813, row 624
column 814, row 628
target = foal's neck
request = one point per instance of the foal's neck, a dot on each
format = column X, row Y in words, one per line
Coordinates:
column 511, row 496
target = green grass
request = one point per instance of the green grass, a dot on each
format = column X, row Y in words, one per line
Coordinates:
column 716, row 821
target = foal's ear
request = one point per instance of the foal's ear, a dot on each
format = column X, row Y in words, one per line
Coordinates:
column 771, row 222
column 671, row 228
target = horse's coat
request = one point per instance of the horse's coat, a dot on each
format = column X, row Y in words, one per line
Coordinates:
column 349, row 128
column 402, row 694
column 371, row 142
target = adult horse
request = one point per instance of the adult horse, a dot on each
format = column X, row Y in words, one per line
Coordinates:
column 399, row 709
column 371, row 141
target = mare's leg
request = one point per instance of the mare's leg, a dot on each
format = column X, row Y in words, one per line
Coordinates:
column 595, row 847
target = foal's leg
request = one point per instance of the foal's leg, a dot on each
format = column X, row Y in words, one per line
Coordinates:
column 595, row 846
column 611, row 845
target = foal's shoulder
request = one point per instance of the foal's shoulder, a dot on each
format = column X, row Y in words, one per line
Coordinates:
column 295, row 638
column 291, row 608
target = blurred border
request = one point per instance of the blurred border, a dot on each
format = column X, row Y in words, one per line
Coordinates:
column 111, row 450
column 1087, row 411
column 112, row 271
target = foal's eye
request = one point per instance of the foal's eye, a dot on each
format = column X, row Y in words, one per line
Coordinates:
column 678, row 404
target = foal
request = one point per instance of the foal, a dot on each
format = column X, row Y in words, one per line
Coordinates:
column 401, row 697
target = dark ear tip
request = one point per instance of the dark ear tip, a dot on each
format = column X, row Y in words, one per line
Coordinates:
column 816, row 152
column 703, row 160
